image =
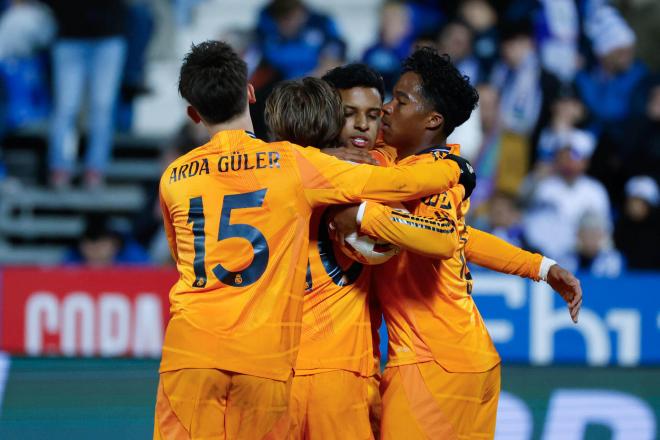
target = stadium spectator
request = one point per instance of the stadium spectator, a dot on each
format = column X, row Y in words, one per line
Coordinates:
column 104, row 243
column 455, row 39
column 637, row 232
column 642, row 155
column 138, row 32
column 394, row 41
column 26, row 29
column 482, row 18
column 644, row 16
column 559, row 201
column 558, row 30
column 505, row 219
column 595, row 253
column 296, row 40
column 527, row 92
column 607, row 88
column 89, row 54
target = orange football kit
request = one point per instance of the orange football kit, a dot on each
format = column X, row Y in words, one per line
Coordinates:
column 443, row 376
column 236, row 213
column 335, row 392
column 340, row 325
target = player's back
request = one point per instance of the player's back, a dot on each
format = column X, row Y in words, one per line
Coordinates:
column 239, row 225
column 336, row 332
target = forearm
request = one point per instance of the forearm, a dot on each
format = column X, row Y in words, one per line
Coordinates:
column 428, row 236
column 493, row 253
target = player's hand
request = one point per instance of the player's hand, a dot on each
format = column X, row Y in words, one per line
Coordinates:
column 351, row 154
column 568, row 286
column 342, row 221
column 468, row 177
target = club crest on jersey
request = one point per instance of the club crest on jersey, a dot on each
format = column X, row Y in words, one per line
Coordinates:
column 238, row 279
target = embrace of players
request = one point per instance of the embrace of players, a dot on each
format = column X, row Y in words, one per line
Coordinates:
column 274, row 330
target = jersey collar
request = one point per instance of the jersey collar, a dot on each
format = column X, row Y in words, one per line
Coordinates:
column 434, row 148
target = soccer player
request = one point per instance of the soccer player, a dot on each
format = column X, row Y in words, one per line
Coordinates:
column 236, row 212
column 443, row 374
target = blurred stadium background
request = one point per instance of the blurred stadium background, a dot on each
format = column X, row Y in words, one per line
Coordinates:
column 566, row 144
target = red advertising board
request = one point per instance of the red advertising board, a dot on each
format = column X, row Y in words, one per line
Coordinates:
column 71, row 311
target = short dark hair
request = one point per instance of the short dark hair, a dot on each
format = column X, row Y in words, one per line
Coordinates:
column 355, row 75
column 306, row 112
column 443, row 86
column 213, row 79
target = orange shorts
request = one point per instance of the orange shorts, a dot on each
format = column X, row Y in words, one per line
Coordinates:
column 425, row 401
column 330, row 405
column 214, row 404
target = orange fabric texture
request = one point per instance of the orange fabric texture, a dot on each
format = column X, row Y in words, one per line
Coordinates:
column 330, row 405
column 197, row 404
column 425, row 401
column 427, row 302
column 236, row 213
column 336, row 322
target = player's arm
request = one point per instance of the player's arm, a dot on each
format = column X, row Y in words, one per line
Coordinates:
column 169, row 227
column 433, row 234
column 327, row 180
column 493, row 253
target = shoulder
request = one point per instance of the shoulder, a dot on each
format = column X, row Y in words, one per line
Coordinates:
column 384, row 154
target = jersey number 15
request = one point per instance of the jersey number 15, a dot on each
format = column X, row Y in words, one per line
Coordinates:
column 255, row 270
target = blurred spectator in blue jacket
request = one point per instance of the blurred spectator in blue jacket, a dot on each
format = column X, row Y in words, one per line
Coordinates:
column 26, row 29
column 637, row 232
column 105, row 243
column 607, row 88
column 296, row 40
column 89, row 55
column 394, row 42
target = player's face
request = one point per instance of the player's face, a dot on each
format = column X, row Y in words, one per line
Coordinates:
column 362, row 116
column 404, row 117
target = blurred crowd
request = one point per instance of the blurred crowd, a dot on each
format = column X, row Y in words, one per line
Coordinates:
column 565, row 141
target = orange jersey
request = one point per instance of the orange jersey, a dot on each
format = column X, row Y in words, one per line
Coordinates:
column 336, row 330
column 337, row 315
column 427, row 302
column 236, row 213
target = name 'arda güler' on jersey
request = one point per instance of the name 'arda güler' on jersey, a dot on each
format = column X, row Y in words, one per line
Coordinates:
column 233, row 162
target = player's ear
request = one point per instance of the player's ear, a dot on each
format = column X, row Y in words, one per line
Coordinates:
column 252, row 98
column 193, row 115
column 435, row 121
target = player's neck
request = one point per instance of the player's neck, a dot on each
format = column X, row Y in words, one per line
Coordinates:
column 242, row 122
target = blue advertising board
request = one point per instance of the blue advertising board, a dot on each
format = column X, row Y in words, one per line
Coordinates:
column 619, row 322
